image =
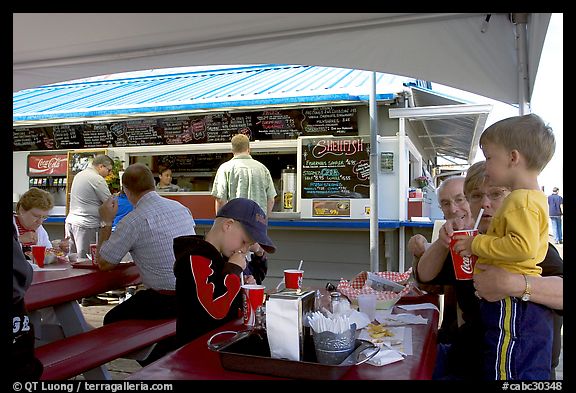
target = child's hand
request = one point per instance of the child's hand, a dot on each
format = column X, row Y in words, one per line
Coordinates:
column 249, row 279
column 463, row 245
column 238, row 258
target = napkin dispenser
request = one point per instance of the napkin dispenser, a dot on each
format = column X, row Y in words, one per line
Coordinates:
column 285, row 323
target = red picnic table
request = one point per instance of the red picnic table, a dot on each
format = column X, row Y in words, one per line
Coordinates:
column 60, row 285
column 195, row 361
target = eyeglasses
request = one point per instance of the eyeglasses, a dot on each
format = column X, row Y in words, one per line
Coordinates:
column 493, row 196
column 447, row 203
column 39, row 218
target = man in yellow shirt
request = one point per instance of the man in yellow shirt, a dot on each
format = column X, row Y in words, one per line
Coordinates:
column 518, row 332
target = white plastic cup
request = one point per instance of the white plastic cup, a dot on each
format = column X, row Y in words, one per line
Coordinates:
column 367, row 304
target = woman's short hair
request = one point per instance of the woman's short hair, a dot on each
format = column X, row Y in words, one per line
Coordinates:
column 35, row 198
column 475, row 178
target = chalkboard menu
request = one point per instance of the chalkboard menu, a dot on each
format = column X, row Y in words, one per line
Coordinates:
column 335, row 168
column 37, row 138
column 192, row 162
column 177, row 130
column 68, row 136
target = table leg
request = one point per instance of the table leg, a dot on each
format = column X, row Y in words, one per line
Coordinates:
column 73, row 322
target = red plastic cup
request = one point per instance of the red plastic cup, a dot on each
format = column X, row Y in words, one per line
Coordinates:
column 293, row 278
column 38, row 255
column 93, row 248
column 252, row 298
column 463, row 266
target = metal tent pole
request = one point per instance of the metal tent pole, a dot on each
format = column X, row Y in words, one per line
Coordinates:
column 521, row 21
column 374, row 233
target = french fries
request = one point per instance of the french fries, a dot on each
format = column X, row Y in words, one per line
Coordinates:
column 378, row 331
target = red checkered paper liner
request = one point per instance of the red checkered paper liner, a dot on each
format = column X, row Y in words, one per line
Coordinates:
column 357, row 286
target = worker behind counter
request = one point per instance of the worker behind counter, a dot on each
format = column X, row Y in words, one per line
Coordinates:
column 165, row 182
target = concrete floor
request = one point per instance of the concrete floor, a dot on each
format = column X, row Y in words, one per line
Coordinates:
column 121, row 368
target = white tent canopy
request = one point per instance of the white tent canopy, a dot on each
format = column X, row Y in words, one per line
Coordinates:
column 461, row 50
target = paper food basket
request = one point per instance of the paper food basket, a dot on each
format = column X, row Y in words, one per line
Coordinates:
column 385, row 299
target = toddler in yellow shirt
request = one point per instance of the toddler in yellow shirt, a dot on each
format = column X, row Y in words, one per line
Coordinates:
column 518, row 332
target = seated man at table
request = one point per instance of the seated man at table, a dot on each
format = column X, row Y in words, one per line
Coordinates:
column 208, row 268
column 147, row 232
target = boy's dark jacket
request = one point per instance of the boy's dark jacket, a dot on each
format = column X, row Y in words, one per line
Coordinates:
column 207, row 288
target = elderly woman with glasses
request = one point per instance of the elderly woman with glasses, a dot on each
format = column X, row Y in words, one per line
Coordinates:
column 31, row 211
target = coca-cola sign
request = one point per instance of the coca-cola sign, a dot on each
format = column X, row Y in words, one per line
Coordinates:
column 47, row 165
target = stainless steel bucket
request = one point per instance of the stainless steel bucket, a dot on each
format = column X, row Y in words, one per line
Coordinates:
column 332, row 348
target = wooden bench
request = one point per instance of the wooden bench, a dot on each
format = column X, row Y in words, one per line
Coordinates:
column 74, row 355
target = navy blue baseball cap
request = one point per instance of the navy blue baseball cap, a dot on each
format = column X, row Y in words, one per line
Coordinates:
column 253, row 220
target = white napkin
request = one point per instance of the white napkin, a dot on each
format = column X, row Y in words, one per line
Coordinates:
column 401, row 319
column 359, row 318
column 385, row 356
column 282, row 328
column 401, row 339
column 421, row 306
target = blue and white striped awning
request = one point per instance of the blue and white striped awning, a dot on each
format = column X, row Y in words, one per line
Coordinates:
column 200, row 88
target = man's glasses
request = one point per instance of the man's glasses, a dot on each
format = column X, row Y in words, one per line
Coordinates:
column 447, row 203
column 479, row 196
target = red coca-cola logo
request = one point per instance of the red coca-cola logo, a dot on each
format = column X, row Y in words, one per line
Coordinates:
column 48, row 165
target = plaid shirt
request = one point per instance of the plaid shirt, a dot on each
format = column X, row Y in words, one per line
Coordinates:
column 148, row 233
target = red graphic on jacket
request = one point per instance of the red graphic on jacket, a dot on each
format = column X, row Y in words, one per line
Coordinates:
column 217, row 307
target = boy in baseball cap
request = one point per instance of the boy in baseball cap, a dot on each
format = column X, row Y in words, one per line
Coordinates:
column 208, row 268
column 252, row 218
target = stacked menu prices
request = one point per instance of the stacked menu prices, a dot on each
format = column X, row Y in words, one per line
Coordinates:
column 272, row 124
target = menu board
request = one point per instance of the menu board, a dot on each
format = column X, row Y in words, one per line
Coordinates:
column 68, row 136
column 37, row 138
column 193, row 162
column 177, row 130
column 335, row 168
column 97, row 135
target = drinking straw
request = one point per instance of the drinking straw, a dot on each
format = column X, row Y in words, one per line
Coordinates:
column 279, row 284
column 300, row 265
column 241, row 278
column 479, row 218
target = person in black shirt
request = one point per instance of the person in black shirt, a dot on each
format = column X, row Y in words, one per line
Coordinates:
column 208, row 268
column 23, row 363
